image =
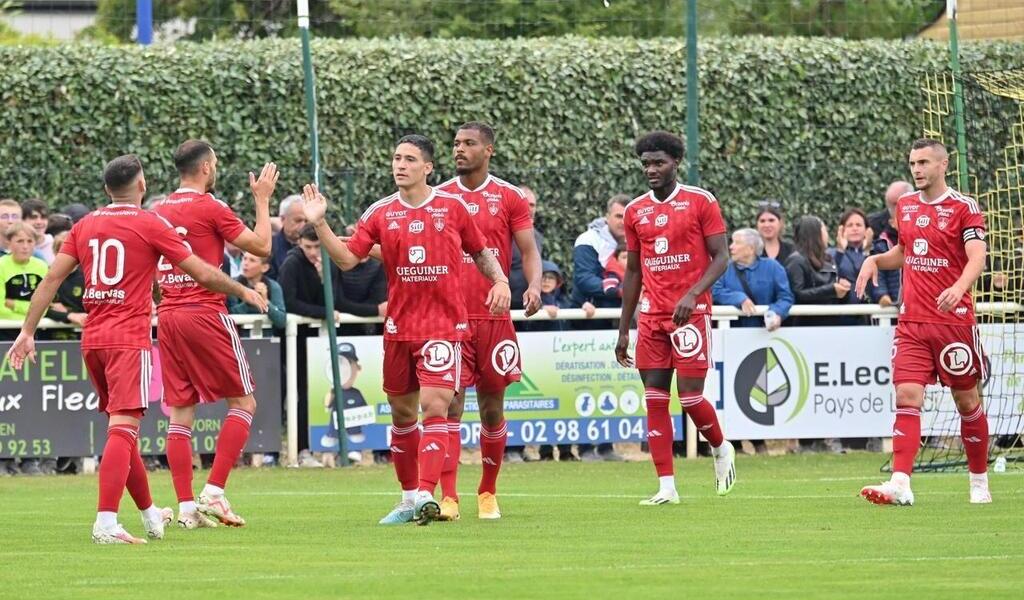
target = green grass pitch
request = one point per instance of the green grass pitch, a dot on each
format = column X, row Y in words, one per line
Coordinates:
column 793, row 527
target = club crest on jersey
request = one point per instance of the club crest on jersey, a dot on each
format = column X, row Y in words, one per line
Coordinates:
column 956, row 358
column 439, row 222
column 473, row 208
column 920, row 247
column 661, row 221
column 492, row 207
column 687, row 341
column 661, row 245
column 416, row 226
column 923, row 221
column 417, row 255
column 942, row 223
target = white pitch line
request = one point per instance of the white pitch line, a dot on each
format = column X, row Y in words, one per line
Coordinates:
column 735, row 495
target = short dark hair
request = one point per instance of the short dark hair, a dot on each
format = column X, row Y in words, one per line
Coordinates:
column 923, row 142
column 485, row 130
column 121, row 171
column 57, row 223
column 663, row 141
column 308, row 233
column 190, row 154
column 420, row 141
column 34, row 205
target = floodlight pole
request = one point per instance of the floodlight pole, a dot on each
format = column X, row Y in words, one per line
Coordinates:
column 332, row 334
column 958, row 99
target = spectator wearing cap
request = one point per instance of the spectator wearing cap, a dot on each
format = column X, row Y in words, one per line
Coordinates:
column 753, row 279
column 36, row 213
column 293, row 219
column 772, row 227
column 254, row 275
column 76, row 211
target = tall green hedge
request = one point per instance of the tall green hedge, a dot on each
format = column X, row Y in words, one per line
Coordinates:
column 819, row 124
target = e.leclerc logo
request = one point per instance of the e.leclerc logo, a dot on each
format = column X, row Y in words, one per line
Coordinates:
column 763, row 384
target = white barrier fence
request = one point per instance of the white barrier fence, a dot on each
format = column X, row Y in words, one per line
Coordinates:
column 259, row 326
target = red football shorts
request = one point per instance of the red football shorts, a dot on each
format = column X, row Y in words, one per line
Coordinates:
column 408, row 366
column 490, row 358
column 661, row 344
column 121, row 377
column 925, row 352
column 201, row 358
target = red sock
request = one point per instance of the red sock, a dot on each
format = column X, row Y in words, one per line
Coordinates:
column 405, row 443
column 230, row 443
column 431, row 452
column 138, row 482
column 659, row 430
column 703, row 416
column 450, row 471
column 906, row 439
column 179, row 459
column 974, row 435
column 492, row 450
column 114, row 467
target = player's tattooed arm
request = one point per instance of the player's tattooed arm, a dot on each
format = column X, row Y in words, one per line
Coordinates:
column 215, row 280
column 631, row 285
column 718, row 248
column 500, row 296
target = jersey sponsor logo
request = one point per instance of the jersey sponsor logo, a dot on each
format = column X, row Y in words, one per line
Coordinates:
column 439, row 222
column 438, row 356
column 923, row 221
column 473, row 208
column 671, row 262
column 645, row 211
column 416, row 226
column 687, row 341
column 943, row 211
column 680, row 204
column 177, row 279
column 661, row 221
column 395, row 214
column 390, row 326
column 417, row 255
column 956, row 358
column 114, row 296
column 661, row 245
column 645, row 305
column 505, row 357
column 910, row 208
column 920, row 247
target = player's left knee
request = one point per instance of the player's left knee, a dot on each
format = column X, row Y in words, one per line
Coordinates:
column 246, row 403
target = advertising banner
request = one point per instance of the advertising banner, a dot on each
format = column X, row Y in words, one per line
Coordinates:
column 49, row 408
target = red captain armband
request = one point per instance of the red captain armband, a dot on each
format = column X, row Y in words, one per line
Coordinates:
column 973, row 233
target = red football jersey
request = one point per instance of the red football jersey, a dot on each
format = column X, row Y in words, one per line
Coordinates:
column 669, row 235
column 498, row 209
column 422, row 249
column 933, row 235
column 204, row 223
column 118, row 247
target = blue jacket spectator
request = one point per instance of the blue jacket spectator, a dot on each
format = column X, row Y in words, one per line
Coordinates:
column 594, row 254
column 852, row 246
column 293, row 218
column 752, row 279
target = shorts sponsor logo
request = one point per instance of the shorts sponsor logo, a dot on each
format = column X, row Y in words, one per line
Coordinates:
column 923, row 221
column 505, row 357
column 416, row 226
column 956, row 358
column 438, row 356
column 661, row 245
column 661, row 221
column 687, row 341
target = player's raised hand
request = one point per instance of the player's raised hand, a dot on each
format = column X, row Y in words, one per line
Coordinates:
column 263, row 186
column 313, row 204
column 684, row 308
column 23, row 347
column 949, row 298
column 622, row 351
column 531, row 301
column 868, row 272
column 255, row 299
column 499, row 298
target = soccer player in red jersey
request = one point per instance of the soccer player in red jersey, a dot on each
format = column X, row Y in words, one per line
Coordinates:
column 677, row 249
column 216, row 368
column 491, row 359
column 422, row 233
column 941, row 252
column 118, row 247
